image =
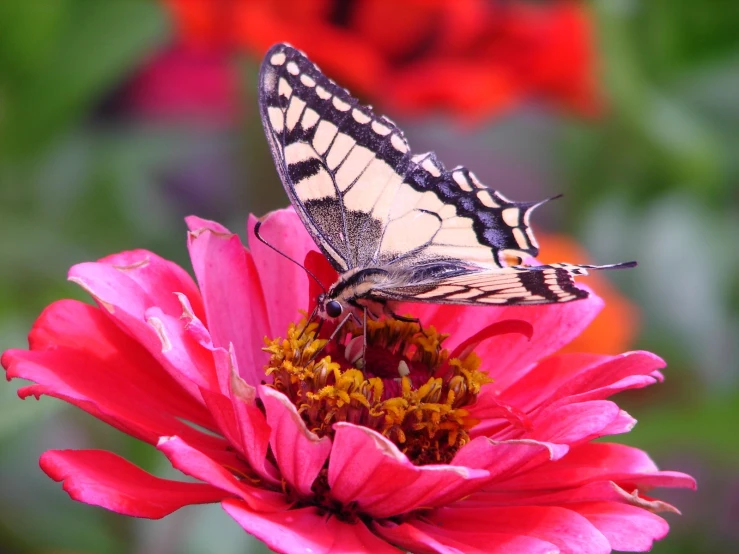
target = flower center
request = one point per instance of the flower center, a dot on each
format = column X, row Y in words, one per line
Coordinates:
column 409, row 389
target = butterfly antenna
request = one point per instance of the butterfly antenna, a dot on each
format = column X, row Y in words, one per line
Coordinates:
column 281, row 253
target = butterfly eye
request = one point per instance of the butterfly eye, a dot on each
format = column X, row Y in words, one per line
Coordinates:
column 333, row 308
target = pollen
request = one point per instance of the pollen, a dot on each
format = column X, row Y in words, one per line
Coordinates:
column 408, row 388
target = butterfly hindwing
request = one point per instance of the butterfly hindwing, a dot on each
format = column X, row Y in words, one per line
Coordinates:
column 363, row 196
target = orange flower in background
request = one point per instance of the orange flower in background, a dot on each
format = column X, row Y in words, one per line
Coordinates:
column 615, row 327
column 469, row 57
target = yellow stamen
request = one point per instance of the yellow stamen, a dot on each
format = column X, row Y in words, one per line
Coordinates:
column 419, row 409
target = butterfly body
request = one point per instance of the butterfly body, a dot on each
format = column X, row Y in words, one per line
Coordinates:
column 397, row 227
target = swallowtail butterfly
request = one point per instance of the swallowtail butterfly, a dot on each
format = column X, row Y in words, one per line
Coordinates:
column 397, row 226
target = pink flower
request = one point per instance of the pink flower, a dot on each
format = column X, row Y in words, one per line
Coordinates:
column 322, row 457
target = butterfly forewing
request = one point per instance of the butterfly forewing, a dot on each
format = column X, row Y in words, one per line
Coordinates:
column 365, row 198
column 369, row 202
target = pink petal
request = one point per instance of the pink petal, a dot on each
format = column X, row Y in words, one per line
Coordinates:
column 234, row 303
column 627, row 528
column 241, row 421
column 158, row 278
column 369, row 470
column 306, row 530
column 103, row 479
column 421, row 537
column 566, row 529
column 504, row 459
column 555, row 325
column 81, row 357
column 194, row 463
column 546, row 377
column 603, row 376
column 630, row 467
column 574, row 423
column 579, row 377
column 300, row 453
column 285, row 295
column 125, row 296
column 598, row 491
column 190, row 362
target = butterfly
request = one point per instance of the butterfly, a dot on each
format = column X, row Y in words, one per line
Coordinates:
column 396, row 226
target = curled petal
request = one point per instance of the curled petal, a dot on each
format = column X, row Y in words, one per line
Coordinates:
column 158, row 278
column 574, row 423
column 368, row 469
column 234, row 304
column 194, row 463
column 627, row 528
column 504, row 327
column 300, row 453
column 503, row 459
column 103, row 479
column 83, row 358
column 627, row 466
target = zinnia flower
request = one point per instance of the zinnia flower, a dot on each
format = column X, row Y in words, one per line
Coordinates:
column 472, row 58
column 479, row 441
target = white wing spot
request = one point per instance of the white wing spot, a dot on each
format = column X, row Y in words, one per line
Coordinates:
column 277, row 59
column 380, row 129
column 310, row 118
column 276, row 118
column 293, row 68
column 486, row 198
column 520, row 238
column 399, row 144
column 284, row 89
column 430, row 166
column 510, row 216
column 307, row 80
column 461, row 180
column 360, row 117
column 476, row 181
column 340, row 105
column 322, row 93
column 293, row 112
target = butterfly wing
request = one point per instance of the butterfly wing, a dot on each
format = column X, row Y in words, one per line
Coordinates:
column 365, row 199
column 517, row 285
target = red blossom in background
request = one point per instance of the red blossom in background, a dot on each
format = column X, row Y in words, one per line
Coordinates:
column 470, row 57
column 185, row 82
column 160, row 351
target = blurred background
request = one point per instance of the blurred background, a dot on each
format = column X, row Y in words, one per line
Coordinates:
column 118, row 118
